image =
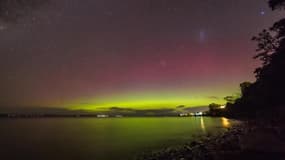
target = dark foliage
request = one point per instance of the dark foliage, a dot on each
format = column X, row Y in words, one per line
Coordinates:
column 230, row 99
column 265, row 97
column 215, row 110
column 277, row 4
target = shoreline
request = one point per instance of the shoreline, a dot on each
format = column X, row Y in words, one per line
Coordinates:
column 244, row 140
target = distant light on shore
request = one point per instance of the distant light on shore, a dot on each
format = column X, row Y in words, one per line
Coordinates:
column 223, row 106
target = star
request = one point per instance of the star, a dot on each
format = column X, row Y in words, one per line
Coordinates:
column 262, row 13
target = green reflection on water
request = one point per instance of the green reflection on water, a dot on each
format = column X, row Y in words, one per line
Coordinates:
column 102, row 139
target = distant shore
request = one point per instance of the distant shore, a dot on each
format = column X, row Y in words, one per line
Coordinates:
column 91, row 115
column 245, row 140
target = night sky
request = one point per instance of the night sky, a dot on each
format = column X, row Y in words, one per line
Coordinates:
column 96, row 54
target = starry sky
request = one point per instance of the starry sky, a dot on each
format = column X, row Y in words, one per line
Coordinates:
column 97, row 54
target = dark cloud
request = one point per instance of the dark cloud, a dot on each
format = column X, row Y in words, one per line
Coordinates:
column 142, row 112
column 196, row 109
column 181, row 106
column 214, row 97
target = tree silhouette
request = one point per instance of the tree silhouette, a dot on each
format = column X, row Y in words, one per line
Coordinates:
column 266, row 94
column 230, row 99
column 244, row 87
column 277, row 4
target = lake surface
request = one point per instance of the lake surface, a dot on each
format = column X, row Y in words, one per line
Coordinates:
column 99, row 139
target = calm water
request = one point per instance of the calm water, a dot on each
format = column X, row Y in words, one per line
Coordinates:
column 98, row 139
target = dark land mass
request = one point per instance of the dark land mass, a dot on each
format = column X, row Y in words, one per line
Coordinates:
column 42, row 112
column 247, row 140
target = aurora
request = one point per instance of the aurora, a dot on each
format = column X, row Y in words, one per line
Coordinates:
column 150, row 100
column 95, row 55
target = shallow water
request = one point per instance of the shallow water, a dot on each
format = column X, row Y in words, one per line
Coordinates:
column 99, row 139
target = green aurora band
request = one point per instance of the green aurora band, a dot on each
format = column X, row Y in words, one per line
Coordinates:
column 149, row 100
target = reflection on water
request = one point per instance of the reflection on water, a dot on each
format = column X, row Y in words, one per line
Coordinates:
column 202, row 124
column 100, row 139
column 226, row 122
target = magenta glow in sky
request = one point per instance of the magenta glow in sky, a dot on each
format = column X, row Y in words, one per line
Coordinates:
column 103, row 52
